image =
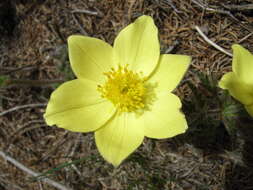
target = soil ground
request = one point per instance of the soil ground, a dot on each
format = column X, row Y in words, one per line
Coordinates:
column 34, row 57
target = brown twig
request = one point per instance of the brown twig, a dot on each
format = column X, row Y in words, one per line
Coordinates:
column 31, row 172
column 216, row 10
column 171, row 47
column 245, row 7
column 64, row 138
column 205, row 7
column 79, row 25
column 170, row 3
column 88, row 12
column 245, row 38
column 24, row 129
column 212, row 43
column 22, row 107
column 24, row 68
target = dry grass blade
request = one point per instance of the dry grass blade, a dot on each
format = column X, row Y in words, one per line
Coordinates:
column 31, row 172
column 21, row 107
column 86, row 12
column 211, row 42
column 221, row 11
column 239, row 7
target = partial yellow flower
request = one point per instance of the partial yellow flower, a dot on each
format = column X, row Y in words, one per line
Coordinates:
column 123, row 93
column 239, row 82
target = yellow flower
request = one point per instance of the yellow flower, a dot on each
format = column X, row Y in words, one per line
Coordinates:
column 239, row 83
column 123, row 93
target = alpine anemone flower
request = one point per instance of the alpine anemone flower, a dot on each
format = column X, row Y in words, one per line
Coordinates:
column 239, row 82
column 122, row 93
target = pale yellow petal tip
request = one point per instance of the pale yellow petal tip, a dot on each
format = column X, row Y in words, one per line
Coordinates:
column 111, row 160
column 226, row 80
column 46, row 117
column 249, row 110
column 145, row 20
column 240, row 51
column 144, row 17
column 189, row 59
column 186, row 57
column 74, row 38
column 185, row 126
column 47, row 120
column 116, row 164
column 237, row 47
column 179, row 131
column 186, row 60
column 110, row 157
column 221, row 83
column 71, row 39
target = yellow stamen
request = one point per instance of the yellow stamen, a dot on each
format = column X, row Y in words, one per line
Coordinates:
column 125, row 89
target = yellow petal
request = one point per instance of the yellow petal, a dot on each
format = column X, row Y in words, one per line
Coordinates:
column 119, row 138
column 170, row 71
column 137, row 45
column 237, row 88
column 90, row 57
column 77, row 106
column 165, row 119
column 250, row 109
column 243, row 63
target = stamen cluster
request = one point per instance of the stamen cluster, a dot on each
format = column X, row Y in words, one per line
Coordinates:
column 125, row 89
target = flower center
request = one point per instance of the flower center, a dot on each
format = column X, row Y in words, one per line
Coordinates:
column 125, row 89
